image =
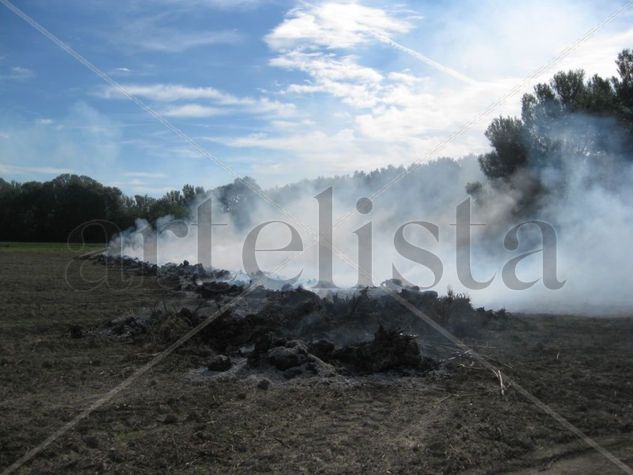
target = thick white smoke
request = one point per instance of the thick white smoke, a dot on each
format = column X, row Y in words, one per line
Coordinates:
column 589, row 205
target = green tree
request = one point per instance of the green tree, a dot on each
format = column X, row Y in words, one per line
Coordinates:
column 507, row 137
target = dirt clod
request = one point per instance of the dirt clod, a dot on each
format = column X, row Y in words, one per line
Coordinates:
column 219, row 363
column 284, row 358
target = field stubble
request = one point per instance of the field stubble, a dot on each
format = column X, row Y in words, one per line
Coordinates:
column 451, row 422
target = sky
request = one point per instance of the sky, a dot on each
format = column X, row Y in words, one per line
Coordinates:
column 277, row 90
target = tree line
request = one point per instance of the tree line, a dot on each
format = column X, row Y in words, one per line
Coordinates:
column 50, row 211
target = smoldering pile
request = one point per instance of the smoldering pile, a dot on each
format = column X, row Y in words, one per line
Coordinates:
column 295, row 333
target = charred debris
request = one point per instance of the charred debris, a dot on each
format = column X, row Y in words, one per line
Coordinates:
column 294, row 332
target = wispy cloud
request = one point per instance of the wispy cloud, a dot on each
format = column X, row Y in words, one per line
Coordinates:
column 177, row 92
column 121, row 71
column 154, row 33
column 144, row 175
column 216, row 4
column 176, row 42
column 17, row 73
column 341, row 77
column 170, row 93
column 136, row 186
column 17, row 170
column 192, row 111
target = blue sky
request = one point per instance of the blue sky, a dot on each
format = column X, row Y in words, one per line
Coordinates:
column 278, row 90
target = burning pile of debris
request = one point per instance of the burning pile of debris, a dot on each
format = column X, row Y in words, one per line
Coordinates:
column 181, row 277
column 295, row 332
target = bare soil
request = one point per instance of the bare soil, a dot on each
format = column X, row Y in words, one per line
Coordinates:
column 53, row 365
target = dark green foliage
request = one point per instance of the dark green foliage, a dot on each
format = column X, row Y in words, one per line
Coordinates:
column 624, row 86
column 52, row 210
column 506, row 136
column 534, row 141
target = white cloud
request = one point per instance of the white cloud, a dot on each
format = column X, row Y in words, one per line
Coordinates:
column 168, row 92
column 324, row 66
column 333, row 25
column 292, row 124
column 405, row 77
column 191, row 111
column 340, row 77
